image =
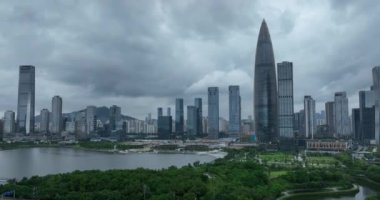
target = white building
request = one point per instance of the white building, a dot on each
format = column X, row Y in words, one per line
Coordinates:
column 9, row 122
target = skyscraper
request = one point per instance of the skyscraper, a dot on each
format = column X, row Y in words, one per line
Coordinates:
column 213, row 112
column 25, row 103
column 192, row 114
column 45, row 120
column 115, row 116
column 265, row 88
column 90, row 119
column 366, row 116
column 309, row 108
column 234, row 110
column 179, row 116
column 9, row 122
column 376, row 89
column 169, row 112
column 342, row 120
column 198, row 105
column 159, row 112
column 56, row 113
column 355, row 117
column 330, row 117
column 285, row 99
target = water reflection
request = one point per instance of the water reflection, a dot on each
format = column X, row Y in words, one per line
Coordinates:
column 20, row 163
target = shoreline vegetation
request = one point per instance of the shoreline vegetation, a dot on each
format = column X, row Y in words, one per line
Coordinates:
column 248, row 173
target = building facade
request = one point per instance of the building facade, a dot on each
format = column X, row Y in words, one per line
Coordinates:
column 309, row 108
column 285, row 100
column 179, row 117
column 376, row 89
column 330, row 117
column 192, row 122
column 115, row 116
column 26, row 98
column 234, row 127
column 213, row 112
column 367, row 116
column 45, row 120
column 342, row 120
column 90, row 119
column 198, row 105
column 56, row 115
column 265, row 88
column 9, row 122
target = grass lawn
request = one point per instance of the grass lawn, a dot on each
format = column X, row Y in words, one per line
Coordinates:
column 322, row 159
column 278, row 156
column 275, row 174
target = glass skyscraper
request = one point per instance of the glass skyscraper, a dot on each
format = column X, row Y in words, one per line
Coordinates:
column 285, row 99
column 198, row 105
column 179, row 116
column 265, row 88
column 234, row 110
column 309, row 108
column 56, row 114
column 213, row 112
column 342, row 120
column 376, row 89
column 26, row 96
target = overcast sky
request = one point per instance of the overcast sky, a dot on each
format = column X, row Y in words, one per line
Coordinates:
column 143, row 54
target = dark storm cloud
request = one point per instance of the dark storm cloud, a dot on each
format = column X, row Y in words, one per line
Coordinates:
column 143, row 54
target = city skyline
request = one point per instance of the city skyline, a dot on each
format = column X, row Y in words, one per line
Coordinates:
column 228, row 63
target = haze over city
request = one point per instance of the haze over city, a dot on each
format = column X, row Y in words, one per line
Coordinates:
column 141, row 55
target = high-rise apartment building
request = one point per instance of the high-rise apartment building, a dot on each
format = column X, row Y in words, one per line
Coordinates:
column 9, row 122
column 115, row 116
column 330, row 117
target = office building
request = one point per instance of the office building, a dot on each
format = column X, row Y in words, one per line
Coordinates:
column 26, row 97
column 115, row 116
column 91, row 119
column 56, row 115
column 234, row 110
column 330, row 117
column 309, row 108
column 45, row 120
column 367, row 117
column 342, row 120
column 213, row 112
column 192, row 121
column 159, row 112
column 265, row 88
column 179, row 117
column 355, row 117
column 198, row 105
column 9, row 122
column 285, row 100
column 169, row 111
column 376, row 89
column 164, row 127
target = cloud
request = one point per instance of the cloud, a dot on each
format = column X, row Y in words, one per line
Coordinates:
column 144, row 54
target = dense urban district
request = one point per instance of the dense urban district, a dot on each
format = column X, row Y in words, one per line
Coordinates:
column 278, row 153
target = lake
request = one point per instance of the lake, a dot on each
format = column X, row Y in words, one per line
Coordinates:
column 27, row 162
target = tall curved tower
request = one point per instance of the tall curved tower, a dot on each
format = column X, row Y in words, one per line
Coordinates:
column 265, row 88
